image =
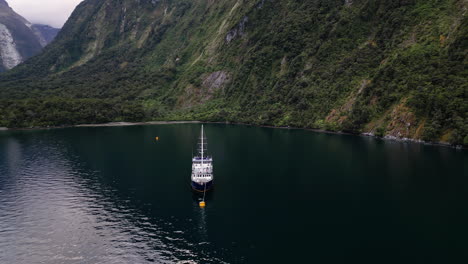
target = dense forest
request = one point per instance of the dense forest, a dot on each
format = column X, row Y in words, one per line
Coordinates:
column 395, row 68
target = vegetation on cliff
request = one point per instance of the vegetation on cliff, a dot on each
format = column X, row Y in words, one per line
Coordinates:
column 384, row 67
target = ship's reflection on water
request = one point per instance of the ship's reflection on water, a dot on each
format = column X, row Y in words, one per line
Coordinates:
column 201, row 213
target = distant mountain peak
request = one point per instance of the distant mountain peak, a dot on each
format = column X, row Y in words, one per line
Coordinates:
column 45, row 33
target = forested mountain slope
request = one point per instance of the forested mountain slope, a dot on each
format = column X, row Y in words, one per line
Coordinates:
column 393, row 68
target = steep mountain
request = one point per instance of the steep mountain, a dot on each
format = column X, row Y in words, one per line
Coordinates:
column 395, row 68
column 17, row 40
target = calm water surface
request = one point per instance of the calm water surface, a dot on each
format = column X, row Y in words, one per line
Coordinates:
column 114, row 195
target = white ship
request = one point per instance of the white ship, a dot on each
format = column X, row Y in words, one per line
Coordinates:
column 202, row 167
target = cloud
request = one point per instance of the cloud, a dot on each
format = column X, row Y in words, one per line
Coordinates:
column 49, row 12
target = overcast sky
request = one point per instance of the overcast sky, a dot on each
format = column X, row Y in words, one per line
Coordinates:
column 49, row 12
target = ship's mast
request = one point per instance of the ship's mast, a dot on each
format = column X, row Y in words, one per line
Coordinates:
column 202, row 147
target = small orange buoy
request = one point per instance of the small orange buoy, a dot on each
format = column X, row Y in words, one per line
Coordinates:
column 157, row 138
column 202, row 204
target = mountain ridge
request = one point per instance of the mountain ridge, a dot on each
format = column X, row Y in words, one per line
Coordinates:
column 389, row 69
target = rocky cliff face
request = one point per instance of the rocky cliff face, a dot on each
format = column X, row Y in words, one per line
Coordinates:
column 390, row 68
column 19, row 39
column 8, row 51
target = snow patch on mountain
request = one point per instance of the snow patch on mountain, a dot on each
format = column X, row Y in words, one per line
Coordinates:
column 10, row 55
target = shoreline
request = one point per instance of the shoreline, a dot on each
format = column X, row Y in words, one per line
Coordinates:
column 125, row 124
column 110, row 124
column 368, row 135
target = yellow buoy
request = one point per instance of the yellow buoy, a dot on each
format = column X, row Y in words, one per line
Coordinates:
column 157, row 138
column 202, row 204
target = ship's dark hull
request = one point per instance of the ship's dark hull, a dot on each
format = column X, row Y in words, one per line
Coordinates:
column 201, row 187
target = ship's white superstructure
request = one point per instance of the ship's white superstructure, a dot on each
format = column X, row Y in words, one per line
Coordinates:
column 202, row 167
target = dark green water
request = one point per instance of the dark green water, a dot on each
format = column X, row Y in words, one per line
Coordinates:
column 114, row 195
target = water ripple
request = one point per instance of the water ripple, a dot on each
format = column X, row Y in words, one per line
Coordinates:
column 113, row 195
column 54, row 211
